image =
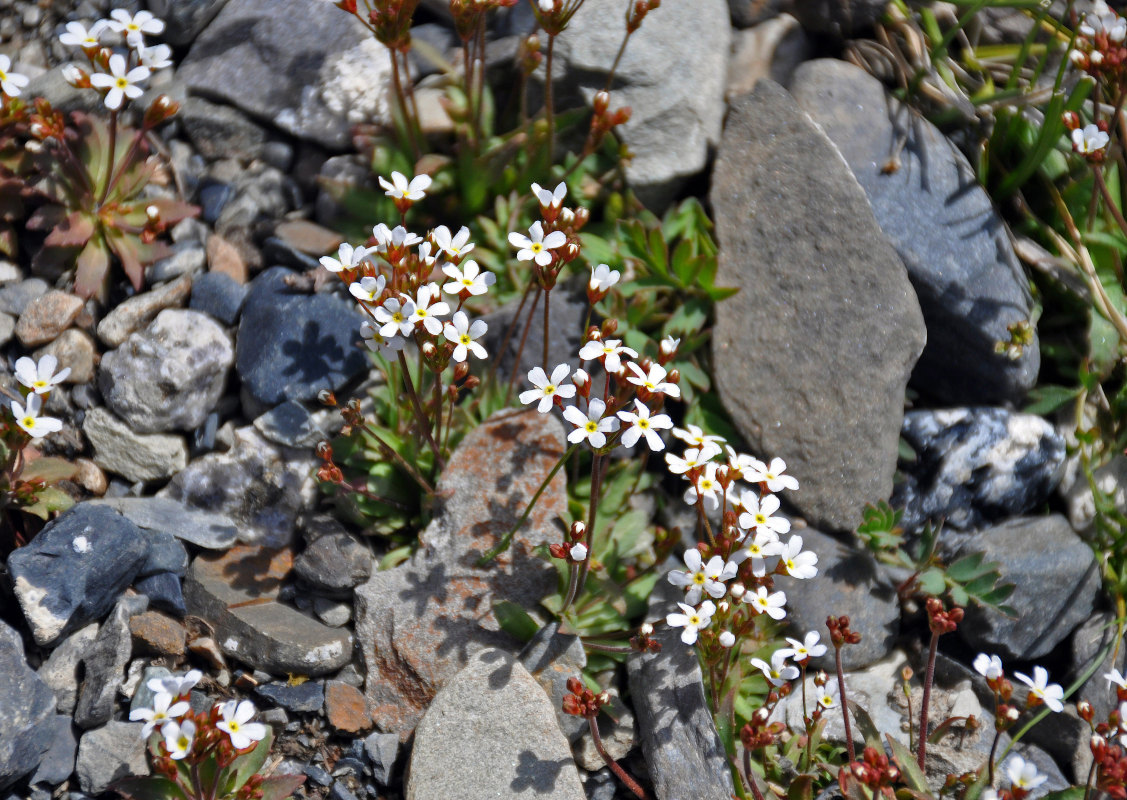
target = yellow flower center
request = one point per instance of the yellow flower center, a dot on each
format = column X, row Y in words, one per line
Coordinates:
column 234, row 726
column 549, row 389
column 591, row 426
column 760, row 519
column 698, row 578
column 694, row 620
column 644, row 424
column 122, row 83
column 465, row 338
column 536, row 247
column 396, row 317
column 39, row 384
column 29, row 422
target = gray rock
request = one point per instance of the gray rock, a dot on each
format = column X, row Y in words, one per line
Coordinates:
column 260, row 195
column 944, row 226
column 134, row 456
column 420, row 623
column 143, row 696
column 188, row 258
column 184, row 19
column 58, row 762
column 746, row 13
column 205, row 529
column 334, row 563
column 567, row 312
column 169, row 376
column 333, row 613
column 221, row 131
column 27, row 706
column 1110, row 478
column 849, row 582
column 798, row 238
column 839, row 18
column 259, row 486
column 682, row 749
column 1093, row 639
column 60, row 670
column 516, row 749
column 15, row 297
column 163, row 591
column 296, row 83
column 220, row 295
column 291, row 346
column 293, row 425
column 976, row 465
column 110, row 753
column 105, row 662
column 7, row 328
column 138, row 311
column 551, row 658
column 674, row 123
column 382, row 750
column 308, row 696
column 1057, row 580
column 166, row 554
column 337, row 175
column 618, row 735
column 74, row 570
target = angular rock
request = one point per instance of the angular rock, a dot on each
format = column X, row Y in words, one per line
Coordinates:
column 60, row 670
column 849, row 582
column 75, row 350
column 295, row 84
column 158, row 633
column 798, row 238
column 420, row 623
column 166, row 554
column 184, row 19
column 682, row 749
column 188, row 258
column 260, row 195
column 382, row 750
column 516, row 749
column 163, row 591
column 551, row 658
column 105, row 663
column 236, row 592
column 224, row 258
column 58, row 762
column 46, row 317
column 1057, row 581
column 259, row 486
column 346, row 708
column 333, row 613
column 974, row 466
column 1096, row 637
column 210, row 530
column 170, row 375
column 308, row 696
column 72, row 572
column 27, row 706
column 110, row 753
column 138, row 311
column 674, row 123
column 293, row 425
column 943, row 225
column 221, row 131
column 16, row 297
column 334, row 563
column 137, row 457
column 565, row 337
column 291, row 346
column 1111, row 480
column 220, row 295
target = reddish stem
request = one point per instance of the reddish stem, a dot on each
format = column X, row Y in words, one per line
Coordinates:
column 623, row 776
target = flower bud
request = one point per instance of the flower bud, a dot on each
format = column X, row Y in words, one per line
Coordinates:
column 609, row 327
column 578, row 530
column 429, row 350
column 1071, row 120
column 578, row 553
column 821, row 678
column 646, row 629
column 601, row 102
column 727, row 639
column 737, row 590
column 566, row 217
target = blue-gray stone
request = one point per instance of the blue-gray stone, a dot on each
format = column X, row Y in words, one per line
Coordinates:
column 207, row 529
column 213, row 197
column 27, row 705
column 166, row 554
column 184, row 19
column 143, row 696
column 218, row 294
column 317, row 774
column 164, row 592
column 382, row 750
column 276, row 250
column 334, row 564
column 292, row 424
column 307, row 697
column 976, row 465
column 341, row 792
column 291, row 346
column 75, row 569
column 58, row 762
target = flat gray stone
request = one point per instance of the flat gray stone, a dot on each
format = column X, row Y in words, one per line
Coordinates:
column 208, row 529
column 60, row 670
column 105, row 662
column 814, row 352
column 134, row 456
column 110, row 753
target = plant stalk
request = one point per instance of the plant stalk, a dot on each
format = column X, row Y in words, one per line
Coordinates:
column 929, row 679
column 623, row 776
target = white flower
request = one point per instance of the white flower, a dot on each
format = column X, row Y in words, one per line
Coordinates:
column 692, row 620
column 769, row 604
column 464, row 336
column 470, row 278
column 726, row 638
column 399, row 189
column 455, row 246
column 1089, row 139
column 134, row 26
column 176, row 685
column 772, row 475
column 989, row 667
column 426, row 312
column 235, row 723
column 700, row 578
column 78, row 36
column 536, row 246
column 653, row 381
column 375, row 341
column 1116, row 679
column 1102, row 20
column 1023, row 774
column 609, row 351
column 42, row 376
column 1051, row 694
column 348, row 257
column 807, row 648
column 704, row 487
column 668, row 347
column 758, row 513
column 178, row 737
column 602, row 278
column 578, row 552
column 394, row 317
column 28, row 418
column 121, row 84
column 706, row 442
column 642, row 424
column 778, row 671
column 545, row 198
column 162, row 711
column 10, row 82
column 758, row 547
column 367, row 289
column 827, row 698
column 592, row 426
column 156, row 57
column 547, row 391
column 798, row 564
column 395, row 238
column 692, row 460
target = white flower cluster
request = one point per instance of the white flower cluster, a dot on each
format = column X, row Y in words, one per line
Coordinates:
column 390, row 278
column 118, row 76
column 39, row 379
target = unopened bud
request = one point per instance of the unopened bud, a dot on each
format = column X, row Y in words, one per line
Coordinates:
column 609, row 327
column 821, row 678
column 603, row 698
column 326, row 398
column 429, row 350
column 152, row 212
column 737, row 590
column 578, row 530
column 727, row 639
column 601, row 102
column 1071, row 120
column 906, row 674
column 571, row 251
column 567, row 217
column 582, row 217
column 461, row 370
column 646, row 629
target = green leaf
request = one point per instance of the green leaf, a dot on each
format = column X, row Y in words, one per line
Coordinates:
column 514, row 620
column 1046, row 399
column 866, row 725
column 152, row 788
column 49, row 469
column 279, row 787
column 243, row 767
column 931, row 582
column 801, row 788
column 49, row 501
column 909, row 769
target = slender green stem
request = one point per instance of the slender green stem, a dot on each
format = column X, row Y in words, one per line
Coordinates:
column 572, row 585
column 520, row 348
column 549, row 113
column 420, row 417
column 547, row 314
column 512, row 326
column 844, row 705
column 597, row 470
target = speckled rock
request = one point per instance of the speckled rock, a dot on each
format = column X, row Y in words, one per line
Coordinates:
column 27, row 705
column 46, row 317
column 138, row 457
column 138, row 311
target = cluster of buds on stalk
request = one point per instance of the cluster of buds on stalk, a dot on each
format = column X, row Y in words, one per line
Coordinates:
column 468, row 14
column 389, row 20
column 1107, row 738
column 875, row 774
column 1099, row 47
column 581, row 701
column 572, row 550
column 1089, row 141
column 637, row 12
column 604, row 121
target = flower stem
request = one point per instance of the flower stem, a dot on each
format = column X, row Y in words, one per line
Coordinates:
column 844, row 705
column 929, row 678
column 520, row 348
column 549, row 114
column 401, row 100
column 420, row 417
column 597, row 469
column 749, row 776
column 111, row 152
column 547, row 312
column 623, row 776
column 572, row 585
column 993, row 751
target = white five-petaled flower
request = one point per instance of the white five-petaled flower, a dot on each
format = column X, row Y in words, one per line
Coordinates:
column 41, row 377
column 772, row 475
column 367, row 289
column 236, row 723
column 427, row 312
column 469, row 278
column 700, row 578
column 693, row 458
column 377, row 342
column 778, row 671
column 465, row 336
column 536, row 246
column 758, row 547
column 692, row 620
column 134, row 26
column 705, row 487
column 156, row 57
column 1116, row 679
column 707, row 443
column 178, row 737
column 642, row 424
column 807, row 648
column 668, row 346
column 11, row 82
column 1051, row 694
column 546, row 390
column 393, row 238
column 827, row 697
column 770, row 604
column 1023, row 774
column 27, row 417
column 602, row 278
column 758, row 514
column 592, row 426
column 121, row 84
column 609, row 350
column 989, row 667
column 394, row 317
column 176, row 685
column 653, row 381
column 1089, row 139
column 400, row 189
column 162, row 711
column 548, row 199
column 348, row 257
column 798, row 564
column 78, row 35
column 455, row 246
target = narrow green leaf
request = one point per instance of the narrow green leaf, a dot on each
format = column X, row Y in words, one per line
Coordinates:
column 909, row 769
column 514, row 620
